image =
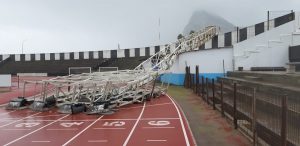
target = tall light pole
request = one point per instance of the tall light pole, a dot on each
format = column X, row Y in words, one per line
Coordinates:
column 23, row 46
column 159, row 29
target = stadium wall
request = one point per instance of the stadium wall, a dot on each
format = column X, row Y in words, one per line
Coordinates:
column 116, row 57
column 269, row 49
column 210, row 64
column 210, row 60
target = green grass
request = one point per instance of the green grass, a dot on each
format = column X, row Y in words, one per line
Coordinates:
column 178, row 92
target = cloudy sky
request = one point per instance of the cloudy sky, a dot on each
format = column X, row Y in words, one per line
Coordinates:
column 82, row 25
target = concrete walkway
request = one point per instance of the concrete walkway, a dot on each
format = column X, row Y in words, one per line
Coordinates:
column 207, row 125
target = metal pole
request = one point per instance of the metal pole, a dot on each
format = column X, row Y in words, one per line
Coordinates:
column 224, row 68
column 237, row 34
column 197, row 79
column 18, row 81
column 207, row 95
column 213, row 91
column 24, row 85
column 283, row 122
column 153, row 86
column 254, row 117
column 23, row 46
column 268, row 22
column 234, row 108
column 222, row 100
column 202, row 87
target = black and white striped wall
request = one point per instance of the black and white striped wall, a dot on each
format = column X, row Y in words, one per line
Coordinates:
column 120, row 53
column 222, row 40
column 241, row 34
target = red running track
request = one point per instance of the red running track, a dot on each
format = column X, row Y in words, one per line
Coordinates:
column 158, row 122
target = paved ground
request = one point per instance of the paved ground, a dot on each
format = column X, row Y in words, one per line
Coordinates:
column 158, row 122
column 207, row 125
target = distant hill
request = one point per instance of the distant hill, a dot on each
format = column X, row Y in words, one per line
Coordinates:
column 201, row 19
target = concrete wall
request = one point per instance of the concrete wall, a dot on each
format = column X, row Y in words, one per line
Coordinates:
column 5, row 80
column 120, row 53
column 210, row 64
column 269, row 49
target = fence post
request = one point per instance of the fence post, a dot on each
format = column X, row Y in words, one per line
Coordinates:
column 18, row 81
column 213, row 92
column 189, row 77
column 197, row 79
column 234, row 107
column 202, row 87
column 207, row 95
column 283, row 122
column 222, row 100
column 191, row 81
column 185, row 77
column 254, row 136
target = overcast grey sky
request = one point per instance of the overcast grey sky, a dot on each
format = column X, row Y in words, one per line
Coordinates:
column 82, row 25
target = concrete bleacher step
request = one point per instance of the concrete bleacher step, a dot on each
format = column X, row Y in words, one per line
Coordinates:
column 278, row 78
column 263, row 88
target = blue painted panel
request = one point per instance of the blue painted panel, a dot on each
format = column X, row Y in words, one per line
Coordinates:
column 178, row 79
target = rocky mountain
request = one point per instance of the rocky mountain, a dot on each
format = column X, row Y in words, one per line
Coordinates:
column 201, row 19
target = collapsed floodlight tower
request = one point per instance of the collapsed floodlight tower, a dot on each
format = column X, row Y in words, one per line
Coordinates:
column 102, row 92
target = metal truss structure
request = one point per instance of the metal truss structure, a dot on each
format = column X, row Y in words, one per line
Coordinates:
column 104, row 92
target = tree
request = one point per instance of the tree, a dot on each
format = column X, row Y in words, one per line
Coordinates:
column 192, row 31
column 180, row 36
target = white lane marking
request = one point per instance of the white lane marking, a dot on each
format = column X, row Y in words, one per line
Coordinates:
column 181, row 122
column 188, row 125
column 159, row 123
column 34, row 131
column 160, row 119
column 133, row 128
column 7, row 120
column 70, row 124
column 97, row 140
column 62, row 129
column 156, row 140
column 40, row 141
column 15, row 129
column 82, row 131
column 117, row 119
column 147, row 105
column 27, row 125
column 158, row 127
column 109, row 128
column 47, row 116
column 19, row 120
column 7, row 112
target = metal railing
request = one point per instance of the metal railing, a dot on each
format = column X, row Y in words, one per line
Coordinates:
column 269, row 118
